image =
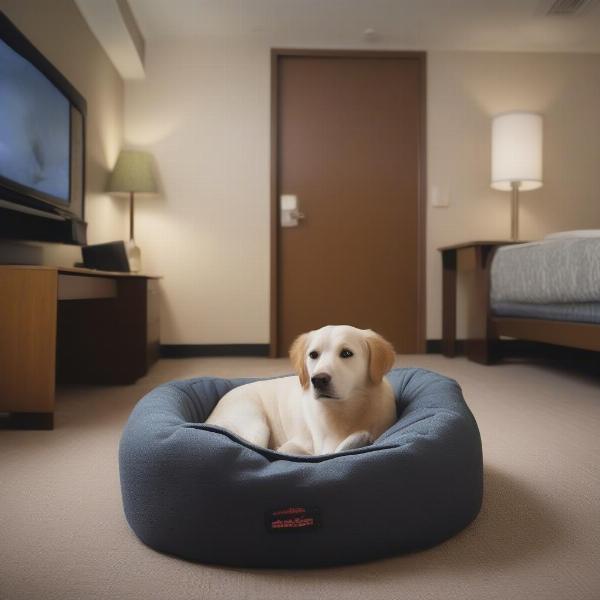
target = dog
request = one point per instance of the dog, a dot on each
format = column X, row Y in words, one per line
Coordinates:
column 338, row 401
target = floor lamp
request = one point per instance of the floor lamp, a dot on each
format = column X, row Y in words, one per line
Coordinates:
column 516, row 157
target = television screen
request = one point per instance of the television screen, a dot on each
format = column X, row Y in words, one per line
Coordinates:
column 35, row 132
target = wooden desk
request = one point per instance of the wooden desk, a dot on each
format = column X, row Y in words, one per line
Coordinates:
column 70, row 325
column 475, row 257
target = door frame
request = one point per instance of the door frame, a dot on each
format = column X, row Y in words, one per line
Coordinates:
column 274, row 296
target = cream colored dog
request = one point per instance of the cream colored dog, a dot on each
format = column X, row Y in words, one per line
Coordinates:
column 339, row 400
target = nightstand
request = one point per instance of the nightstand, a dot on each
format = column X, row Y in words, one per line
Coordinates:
column 475, row 258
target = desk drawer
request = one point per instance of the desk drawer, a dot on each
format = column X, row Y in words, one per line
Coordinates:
column 78, row 287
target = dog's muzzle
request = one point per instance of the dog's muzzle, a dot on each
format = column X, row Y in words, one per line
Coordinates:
column 321, row 383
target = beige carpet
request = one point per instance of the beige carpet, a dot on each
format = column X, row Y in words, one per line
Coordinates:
column 63, row 534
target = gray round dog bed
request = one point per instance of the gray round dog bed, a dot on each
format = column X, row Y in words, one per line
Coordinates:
column 201, row 493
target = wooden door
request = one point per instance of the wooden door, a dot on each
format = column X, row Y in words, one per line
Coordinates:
column 349, row 144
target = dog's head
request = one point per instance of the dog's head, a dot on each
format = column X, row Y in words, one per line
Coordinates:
column 336, row 361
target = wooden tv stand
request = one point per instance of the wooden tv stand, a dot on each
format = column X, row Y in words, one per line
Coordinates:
column 71, row 325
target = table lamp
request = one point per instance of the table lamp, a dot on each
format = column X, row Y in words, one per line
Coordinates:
column 516, row 157
column 133, row 174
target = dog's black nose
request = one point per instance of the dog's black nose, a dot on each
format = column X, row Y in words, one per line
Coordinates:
column 321, row 380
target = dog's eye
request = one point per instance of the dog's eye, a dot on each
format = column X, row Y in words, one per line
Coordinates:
column 314, row 354
column 345, row 353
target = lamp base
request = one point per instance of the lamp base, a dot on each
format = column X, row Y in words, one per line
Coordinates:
column 134, row 255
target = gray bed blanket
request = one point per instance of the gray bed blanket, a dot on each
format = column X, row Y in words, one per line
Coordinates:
column 549, row 271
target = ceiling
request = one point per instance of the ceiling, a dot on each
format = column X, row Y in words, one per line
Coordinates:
column 503, row 25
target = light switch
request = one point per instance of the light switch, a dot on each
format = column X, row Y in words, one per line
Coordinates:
column 439, row 198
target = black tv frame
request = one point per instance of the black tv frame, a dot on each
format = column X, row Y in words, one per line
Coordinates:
column 36, row 217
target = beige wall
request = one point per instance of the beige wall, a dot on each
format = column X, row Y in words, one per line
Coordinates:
column 60, row 33
column 464, row 91
column 204, row 111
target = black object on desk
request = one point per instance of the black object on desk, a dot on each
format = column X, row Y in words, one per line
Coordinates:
column 111, row 256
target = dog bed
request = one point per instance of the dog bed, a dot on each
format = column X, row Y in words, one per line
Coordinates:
column 201, row 493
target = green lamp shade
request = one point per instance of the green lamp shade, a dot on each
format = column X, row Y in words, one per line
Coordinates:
column 133, row 173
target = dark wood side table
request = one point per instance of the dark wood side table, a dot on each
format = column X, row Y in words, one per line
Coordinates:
column 474, row 257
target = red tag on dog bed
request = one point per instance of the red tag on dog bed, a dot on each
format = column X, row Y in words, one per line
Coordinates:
column 293, row 518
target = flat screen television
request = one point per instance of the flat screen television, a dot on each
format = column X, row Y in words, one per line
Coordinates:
column 42, row 146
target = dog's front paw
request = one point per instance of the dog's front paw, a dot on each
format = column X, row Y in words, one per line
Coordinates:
column 358, row 439
column 294, row 447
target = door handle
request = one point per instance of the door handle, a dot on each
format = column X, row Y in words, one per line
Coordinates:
column 290, row 214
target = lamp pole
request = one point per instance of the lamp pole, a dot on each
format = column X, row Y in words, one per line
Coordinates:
column 514, row 214
column 131, row 201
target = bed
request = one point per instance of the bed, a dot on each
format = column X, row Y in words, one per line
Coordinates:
column 548, row 291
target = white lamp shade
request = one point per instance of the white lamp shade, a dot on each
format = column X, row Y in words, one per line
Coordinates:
column 517, row 151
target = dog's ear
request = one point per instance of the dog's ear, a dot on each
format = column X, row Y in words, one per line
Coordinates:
column 298, row 358
column 381, row 356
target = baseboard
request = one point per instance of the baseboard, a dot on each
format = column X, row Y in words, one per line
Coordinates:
column 525, row 348
column 435, row 347
column 509, row 348
column 192, row 350
column 512, row 346
column 21, row 420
